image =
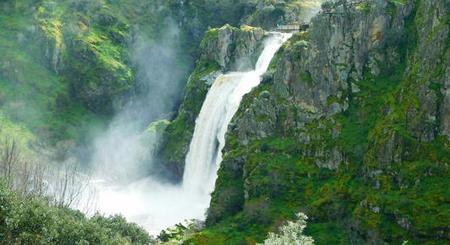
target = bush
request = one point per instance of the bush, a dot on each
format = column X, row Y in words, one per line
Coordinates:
column 291, row 233
column 35, row 221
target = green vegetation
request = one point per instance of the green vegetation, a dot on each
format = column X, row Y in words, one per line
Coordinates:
column 364, row 111
column 34, row 90
column 11, row 130
column 26, row 87
column 66, row 67
column 364, row 6
column 28, row 220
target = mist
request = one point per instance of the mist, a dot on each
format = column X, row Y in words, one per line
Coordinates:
column 123, row 158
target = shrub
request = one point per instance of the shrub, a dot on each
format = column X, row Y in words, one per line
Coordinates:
column 34, row 221
column 291, row 233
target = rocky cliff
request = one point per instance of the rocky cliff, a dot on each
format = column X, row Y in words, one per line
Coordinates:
column 349, row 126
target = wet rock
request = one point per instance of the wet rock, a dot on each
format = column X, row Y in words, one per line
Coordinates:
column 211, row 77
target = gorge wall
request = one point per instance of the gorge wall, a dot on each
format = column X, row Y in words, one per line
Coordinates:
column 350, row 126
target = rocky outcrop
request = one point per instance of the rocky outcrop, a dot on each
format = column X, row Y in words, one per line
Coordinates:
column 317, row 70
column 430, row 70
column 232, row 48
column 422, row 107
column 347, row 114
column 268, row 14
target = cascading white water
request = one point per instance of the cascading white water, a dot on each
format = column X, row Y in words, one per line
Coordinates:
column 219, row 107
column 157, row 206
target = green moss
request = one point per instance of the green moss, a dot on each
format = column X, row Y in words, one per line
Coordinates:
column 51, row 24
column 210, row 36
column 107, row 53
column 398, row 2
column 364, row 7
column 306, row 77
column 158, row 126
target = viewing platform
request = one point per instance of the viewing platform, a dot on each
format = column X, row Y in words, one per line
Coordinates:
column 292, row 27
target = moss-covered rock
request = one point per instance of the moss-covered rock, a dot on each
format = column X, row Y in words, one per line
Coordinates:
column 347, row 127
column 232, row 48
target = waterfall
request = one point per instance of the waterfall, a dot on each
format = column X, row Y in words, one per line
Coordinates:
column 219, row 107
column 156, row 205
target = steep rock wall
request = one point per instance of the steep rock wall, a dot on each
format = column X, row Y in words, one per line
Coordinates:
column 349, row 126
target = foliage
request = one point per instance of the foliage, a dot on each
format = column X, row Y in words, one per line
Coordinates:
column 180, row 232
column 34, row 221
column 291, row 233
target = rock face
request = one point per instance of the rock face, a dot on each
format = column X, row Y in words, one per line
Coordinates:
column 233, row 49
column 424, row 101
column 88, row 56
column 223, row 49
column 268, row 14
column 317, row 70
column 351, row 126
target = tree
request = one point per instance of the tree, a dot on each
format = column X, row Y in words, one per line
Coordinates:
column 9, row 158
column 62, row 184
column 291, row 233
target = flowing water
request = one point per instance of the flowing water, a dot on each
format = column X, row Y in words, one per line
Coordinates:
column 157, row 206
column 218, row 109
